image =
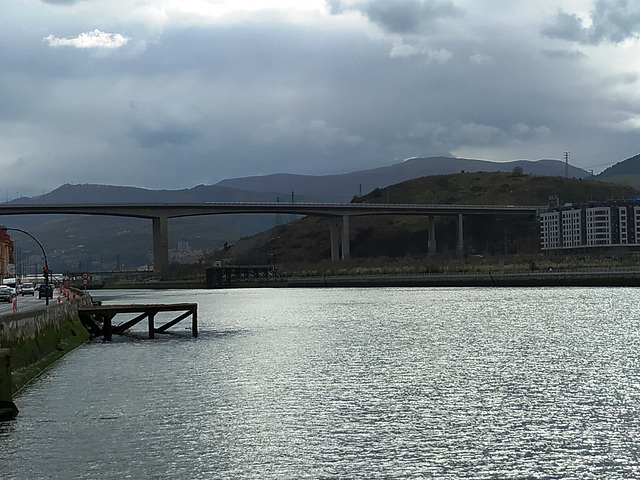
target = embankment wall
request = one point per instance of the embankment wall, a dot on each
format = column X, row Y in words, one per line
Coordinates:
column 37, row 338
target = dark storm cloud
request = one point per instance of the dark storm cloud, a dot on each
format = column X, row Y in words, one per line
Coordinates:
column 61, row 2
column 402, row 16
column 191, row 98
column 611, row 21
column 409, row 16
column 151, row 126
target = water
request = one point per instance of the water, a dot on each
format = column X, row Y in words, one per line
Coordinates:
column 442, row 383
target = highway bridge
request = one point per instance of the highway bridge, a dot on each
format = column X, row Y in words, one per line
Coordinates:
column 339, row 213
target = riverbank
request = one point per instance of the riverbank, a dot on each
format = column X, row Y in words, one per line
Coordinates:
column 36, row 339
column 620, row 277
column 547, row 279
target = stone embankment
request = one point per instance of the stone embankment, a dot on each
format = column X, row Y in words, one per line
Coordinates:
column 33, row 340
column 630, row 278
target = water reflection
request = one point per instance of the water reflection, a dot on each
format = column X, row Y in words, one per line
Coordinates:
column 379, row 383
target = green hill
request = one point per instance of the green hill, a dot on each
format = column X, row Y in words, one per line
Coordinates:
column 382, row 238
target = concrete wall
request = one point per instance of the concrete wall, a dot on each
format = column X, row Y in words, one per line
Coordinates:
column 8, row 409
column 37, row 338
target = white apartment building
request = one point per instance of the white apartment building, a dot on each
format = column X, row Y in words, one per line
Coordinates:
column 598, row 226
column 590, row 225
column 572, row 227
column 550, row 230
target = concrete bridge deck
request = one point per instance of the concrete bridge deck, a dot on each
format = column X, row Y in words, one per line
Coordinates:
column 338, row 212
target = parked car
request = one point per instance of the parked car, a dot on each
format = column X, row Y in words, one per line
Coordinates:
column 27, row 289
column 7, row 294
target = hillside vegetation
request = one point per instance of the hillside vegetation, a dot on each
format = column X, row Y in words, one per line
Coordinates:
column 380, row 239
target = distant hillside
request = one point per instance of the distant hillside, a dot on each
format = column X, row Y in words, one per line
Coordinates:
column 342, row 188
column 91, row 193
column 404, row 238
column 626, row 172
column 95, row 243
column 105, row 243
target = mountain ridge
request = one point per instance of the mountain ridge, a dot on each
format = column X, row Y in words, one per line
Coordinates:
column 343, row 187
column 303, row 188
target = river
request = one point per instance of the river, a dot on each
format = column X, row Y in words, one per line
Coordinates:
column 417, row 383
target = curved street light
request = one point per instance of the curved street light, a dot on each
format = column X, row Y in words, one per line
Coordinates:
column 46, row 263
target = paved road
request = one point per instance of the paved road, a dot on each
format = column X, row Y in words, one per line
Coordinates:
column 26, row 303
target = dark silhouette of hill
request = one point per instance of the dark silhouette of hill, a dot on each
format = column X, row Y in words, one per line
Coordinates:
column 111, row 194
column 342, row 188
column 626, row 172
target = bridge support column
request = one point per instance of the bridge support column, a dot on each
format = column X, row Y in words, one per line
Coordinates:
column 346, row 251
column 160, row 245
column 432, row 235
column 460, row 246
column 340, row 237
column 335, row 240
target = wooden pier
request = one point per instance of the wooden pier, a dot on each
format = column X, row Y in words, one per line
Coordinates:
column 99, row 319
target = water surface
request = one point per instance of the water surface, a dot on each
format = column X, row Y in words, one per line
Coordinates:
column 442, row 383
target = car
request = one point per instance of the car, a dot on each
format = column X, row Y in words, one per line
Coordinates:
column 7, row 294
column 27, row 289
column 43, row 289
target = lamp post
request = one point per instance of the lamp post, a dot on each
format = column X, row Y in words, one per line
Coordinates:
column 46, row 263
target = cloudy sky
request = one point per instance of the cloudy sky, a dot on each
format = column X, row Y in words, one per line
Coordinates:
column 176, row 93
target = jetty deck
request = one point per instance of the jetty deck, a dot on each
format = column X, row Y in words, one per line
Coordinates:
column 98, row 319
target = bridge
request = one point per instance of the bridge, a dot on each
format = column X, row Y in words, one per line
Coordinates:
column 339, row 213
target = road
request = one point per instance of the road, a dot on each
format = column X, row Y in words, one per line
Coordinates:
column 27, row 303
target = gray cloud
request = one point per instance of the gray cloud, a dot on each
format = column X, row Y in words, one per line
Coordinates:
column 61, row 2
column 612, row 21
column 185, row 103
column 151, row 125
column 402, row 16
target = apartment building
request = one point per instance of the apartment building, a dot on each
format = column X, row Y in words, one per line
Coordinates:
column 6, row 253
column 591, row 225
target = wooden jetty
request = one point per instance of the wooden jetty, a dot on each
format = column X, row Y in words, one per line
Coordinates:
column 98, row 319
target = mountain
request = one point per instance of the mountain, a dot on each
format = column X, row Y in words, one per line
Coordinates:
column 96, row 243
column 626, row 172
column 403, row 240
column 110, row 194
column 76, row 242
column 342, row 188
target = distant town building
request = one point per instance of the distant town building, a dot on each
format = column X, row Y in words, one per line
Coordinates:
column 6, row 253
column 591, row 225
column 184, row 247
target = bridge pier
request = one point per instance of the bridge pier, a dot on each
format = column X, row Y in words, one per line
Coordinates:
column 432, row 235
column 161, row 245
column 338, row 234
column 460, row 246
column 335, row 239
column 346, row 250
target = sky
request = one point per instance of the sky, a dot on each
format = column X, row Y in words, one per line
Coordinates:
column 177, row 93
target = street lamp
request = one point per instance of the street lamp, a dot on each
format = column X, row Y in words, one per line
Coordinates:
column 46, row 263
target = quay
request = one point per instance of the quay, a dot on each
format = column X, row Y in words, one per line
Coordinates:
column 98, row 319
column 32, row 340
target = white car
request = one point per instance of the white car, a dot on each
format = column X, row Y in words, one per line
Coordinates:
column 7, row 294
